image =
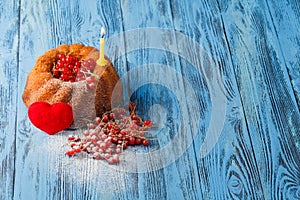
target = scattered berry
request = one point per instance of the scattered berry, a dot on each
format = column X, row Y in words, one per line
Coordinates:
column 147, row 123
column 145, row 143
column 109, row 135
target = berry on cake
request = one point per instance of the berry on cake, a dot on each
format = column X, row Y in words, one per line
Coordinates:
column 69, row 74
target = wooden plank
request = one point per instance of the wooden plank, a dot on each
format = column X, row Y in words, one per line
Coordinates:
column 271, row 112
column 43, row 172
column 285, row 18
column 256, row 154
column 230, row 170
column 41, row 169
column 240, row 167
column 9, row 44
column 151, row 57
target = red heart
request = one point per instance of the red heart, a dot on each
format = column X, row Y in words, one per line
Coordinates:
column 50, row 118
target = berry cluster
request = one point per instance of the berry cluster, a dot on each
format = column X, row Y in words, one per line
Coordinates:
column 69, row 68
column 108, row 136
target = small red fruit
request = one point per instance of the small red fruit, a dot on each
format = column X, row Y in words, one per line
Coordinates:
column 147, row 123
column 70, row 152
column 132, row 141
column 111, row 116
column 105, row 118
column 71, row 137
column 145, row 142
column 91, row 86
column 138, row 141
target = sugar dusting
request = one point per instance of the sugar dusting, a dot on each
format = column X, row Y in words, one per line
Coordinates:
column 49, row 154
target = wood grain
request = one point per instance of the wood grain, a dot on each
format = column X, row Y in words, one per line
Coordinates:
column 178, row 59
column 271, row 112
column 51, row 174
column 230, row 171
column 285, row 19
column 9, row 56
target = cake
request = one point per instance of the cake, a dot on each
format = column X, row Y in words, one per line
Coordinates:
column 87, row 101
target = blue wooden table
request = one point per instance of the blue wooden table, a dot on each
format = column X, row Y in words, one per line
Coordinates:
column 219, row 78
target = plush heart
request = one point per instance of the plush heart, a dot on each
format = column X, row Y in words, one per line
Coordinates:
column 50, row 118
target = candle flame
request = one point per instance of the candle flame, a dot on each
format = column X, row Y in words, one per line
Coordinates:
column 102, row 31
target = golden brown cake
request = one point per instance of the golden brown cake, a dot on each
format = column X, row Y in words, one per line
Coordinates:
column 43, row 86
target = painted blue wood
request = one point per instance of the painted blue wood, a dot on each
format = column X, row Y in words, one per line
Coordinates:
column 286, row 21
column 9, row 55
column 271, row 112
column 219, row 79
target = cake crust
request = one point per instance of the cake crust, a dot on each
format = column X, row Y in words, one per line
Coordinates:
column 41, row 85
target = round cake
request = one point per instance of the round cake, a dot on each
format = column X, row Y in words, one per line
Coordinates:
column 48, row 83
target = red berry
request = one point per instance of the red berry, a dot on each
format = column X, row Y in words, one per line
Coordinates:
column 73, row 144
column 63, row 77
column 60, row 56
column 85, row 63
column 77, row 64
column 91, row 86
column 123, row 132
column 98, row 120
column 138, row 141
column 105, row 118
column 118, row 150
column 107, row 156
column 56, row 74
column 145, row 142
column 71, row 66
column 77, row 139
column 147, row 123
column 135, row 121
column 89, row 80
column 111, row 116
column 77, row 150
column 70, row 152
column 63, row 59
column 92, row 64
column 110, row 126
column 114, row 140
column 80, row 75
column 69, row 59
column 132, row 141
column 91, row 61
column 71, row 137
column 124, row 145
column 103, row 137
column 115, row 158
column 86, row 133
column 109, row 150
column 83, row 69
column 76, row 69
column 120, row 136
column 117, row 128
column 113, row 131
column 102, row 145
column 67, row 71
column 97, row 155
column 132, row 106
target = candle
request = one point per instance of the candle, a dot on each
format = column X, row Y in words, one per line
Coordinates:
column 101, row 61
